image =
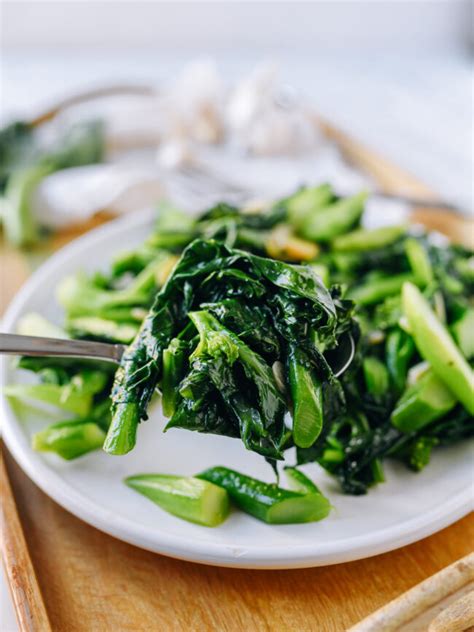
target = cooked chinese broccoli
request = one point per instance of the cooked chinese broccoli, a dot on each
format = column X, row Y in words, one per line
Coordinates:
column 228, row 316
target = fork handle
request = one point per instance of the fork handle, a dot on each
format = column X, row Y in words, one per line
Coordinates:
column 14, row 344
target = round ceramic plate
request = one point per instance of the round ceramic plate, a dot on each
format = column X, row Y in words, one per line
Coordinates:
column 404, row 509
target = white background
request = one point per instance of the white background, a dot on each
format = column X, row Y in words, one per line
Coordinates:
column 218, row 26
column 397, row 75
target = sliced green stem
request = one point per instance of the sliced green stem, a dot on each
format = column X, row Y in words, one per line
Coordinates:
column 422, row 402
column 335, row 219
column 307, row 397
column 190, row 498
column 122, row 433
column 419, row 262
column 299, row 482
column 376, row 376
column 363, row 239
column 376, row 290
column 69, row 439
column 436, row 345
column 266, row 502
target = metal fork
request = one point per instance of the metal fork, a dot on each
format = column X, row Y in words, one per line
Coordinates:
column 200, row 181
column 13, row 344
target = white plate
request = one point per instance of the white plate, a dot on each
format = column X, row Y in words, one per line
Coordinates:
column 404, row 509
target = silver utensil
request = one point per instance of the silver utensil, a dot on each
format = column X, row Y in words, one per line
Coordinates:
column 13, row 344
column 202, row 181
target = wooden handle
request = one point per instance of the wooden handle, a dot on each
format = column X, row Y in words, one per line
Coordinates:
column 25, row 590
column 457, row 617
column 398, row 613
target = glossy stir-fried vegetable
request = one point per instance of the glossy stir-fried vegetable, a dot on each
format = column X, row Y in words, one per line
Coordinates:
column 211, row 340
column 228, row 316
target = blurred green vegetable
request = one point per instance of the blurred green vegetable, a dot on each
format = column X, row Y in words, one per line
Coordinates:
column 25, row 162
column 437, row 347
column 69, row 439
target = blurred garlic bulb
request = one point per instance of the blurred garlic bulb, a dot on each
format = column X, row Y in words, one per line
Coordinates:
column 251, row 98
column 195, row 103
column 281, row 132
column 265, row 121
column 175, row 153
column 132, row 123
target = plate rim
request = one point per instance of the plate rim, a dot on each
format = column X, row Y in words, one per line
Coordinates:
column 181, row 547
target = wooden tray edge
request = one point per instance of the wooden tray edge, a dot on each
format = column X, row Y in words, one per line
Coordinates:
column 26, row 594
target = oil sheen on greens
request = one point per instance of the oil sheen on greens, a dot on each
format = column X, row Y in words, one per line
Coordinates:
column 236, row 338
column 224, row 319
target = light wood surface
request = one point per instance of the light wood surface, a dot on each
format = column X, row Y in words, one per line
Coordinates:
column 88, row 581
column 25, row 591
column 94, row 583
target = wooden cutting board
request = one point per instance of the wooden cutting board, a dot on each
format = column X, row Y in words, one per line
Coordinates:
column 69, row 577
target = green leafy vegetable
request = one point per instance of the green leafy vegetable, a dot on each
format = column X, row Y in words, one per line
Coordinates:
column 70, row 393
column 96, row 328
column 24, row 162
column 20, row 226
column 230, row 387
column 239, row 342
column 16, row 148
